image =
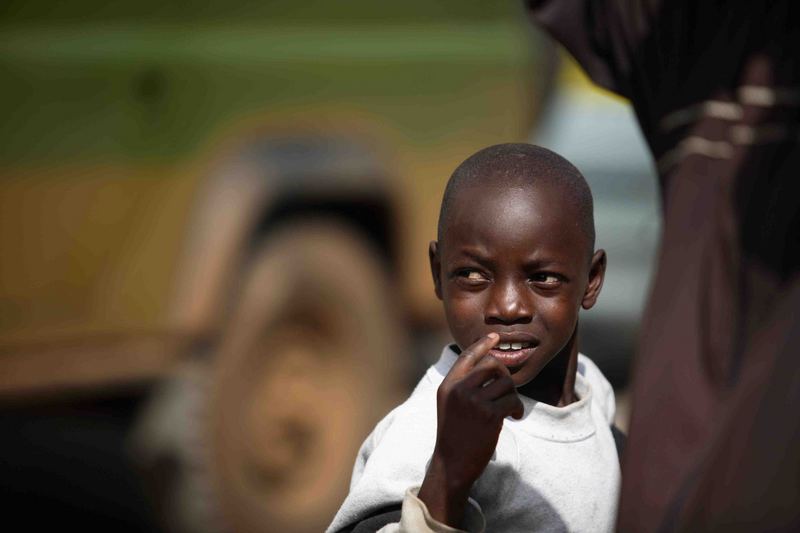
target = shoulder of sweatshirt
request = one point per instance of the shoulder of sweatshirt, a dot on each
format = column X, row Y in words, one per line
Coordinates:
column 602, row 391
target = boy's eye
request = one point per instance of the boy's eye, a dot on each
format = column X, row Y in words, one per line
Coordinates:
column 471, row 276
column 546, row 279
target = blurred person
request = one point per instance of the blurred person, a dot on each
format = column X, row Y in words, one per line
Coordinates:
column 716, row 89
column 511, row 430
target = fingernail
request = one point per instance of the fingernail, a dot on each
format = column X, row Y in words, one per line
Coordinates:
column 493, row 336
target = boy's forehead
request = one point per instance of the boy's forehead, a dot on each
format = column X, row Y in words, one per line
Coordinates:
column 489, row 202
column 488, row 209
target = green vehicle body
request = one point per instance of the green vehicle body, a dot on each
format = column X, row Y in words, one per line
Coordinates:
column 112, row 115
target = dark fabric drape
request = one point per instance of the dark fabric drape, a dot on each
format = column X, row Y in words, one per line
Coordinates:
column 714, row 443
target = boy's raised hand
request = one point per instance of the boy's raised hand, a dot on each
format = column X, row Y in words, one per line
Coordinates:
column 472, row 401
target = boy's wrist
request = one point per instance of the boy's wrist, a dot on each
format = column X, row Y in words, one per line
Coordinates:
column 444, row 492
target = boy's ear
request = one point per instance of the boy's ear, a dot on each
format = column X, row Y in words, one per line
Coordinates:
column 597, row 272
column 436, row 267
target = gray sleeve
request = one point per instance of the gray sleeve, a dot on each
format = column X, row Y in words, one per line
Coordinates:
column 415, row 518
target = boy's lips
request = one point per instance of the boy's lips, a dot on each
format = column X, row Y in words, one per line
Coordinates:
column 513, row 358
column 513, row 349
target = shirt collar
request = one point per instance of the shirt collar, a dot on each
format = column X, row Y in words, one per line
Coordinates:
column 566, row 424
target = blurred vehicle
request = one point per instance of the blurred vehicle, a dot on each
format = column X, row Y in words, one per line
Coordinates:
column 223, row 209
column 597, row 131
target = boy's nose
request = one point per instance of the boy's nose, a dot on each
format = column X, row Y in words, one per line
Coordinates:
column 508, row 304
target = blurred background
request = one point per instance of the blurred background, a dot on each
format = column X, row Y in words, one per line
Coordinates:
column 214, row 220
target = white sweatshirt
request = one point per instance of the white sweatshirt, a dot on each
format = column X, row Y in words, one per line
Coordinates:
column 556, row 469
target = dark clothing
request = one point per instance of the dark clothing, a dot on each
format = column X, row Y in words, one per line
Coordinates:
column 714, row 438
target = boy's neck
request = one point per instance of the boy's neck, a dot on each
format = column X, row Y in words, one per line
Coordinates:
column 555, row 384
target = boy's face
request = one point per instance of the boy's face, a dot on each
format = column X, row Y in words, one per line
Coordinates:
column 514, row 261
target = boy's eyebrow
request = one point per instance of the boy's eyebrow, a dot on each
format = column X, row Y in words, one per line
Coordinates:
column 541, row 263
column 475, row 255
column 479, row 256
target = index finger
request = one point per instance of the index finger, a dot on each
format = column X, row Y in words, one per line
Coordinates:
column 470, row 357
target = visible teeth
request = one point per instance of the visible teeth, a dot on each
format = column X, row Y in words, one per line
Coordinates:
column 513, row 345
column 505, row 346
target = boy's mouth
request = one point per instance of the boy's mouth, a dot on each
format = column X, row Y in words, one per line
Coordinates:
column 508, row 346
column 513, row 352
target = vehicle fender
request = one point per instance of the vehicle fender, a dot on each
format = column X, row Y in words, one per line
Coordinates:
column 264, row 182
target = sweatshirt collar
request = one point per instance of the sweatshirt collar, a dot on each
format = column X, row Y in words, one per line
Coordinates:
column 561, row 424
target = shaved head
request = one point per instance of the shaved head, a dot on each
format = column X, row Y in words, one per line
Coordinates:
column 521, row 166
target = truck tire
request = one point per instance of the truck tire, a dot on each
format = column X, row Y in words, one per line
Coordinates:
column 310, row 360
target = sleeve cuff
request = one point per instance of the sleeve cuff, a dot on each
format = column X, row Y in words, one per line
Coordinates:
column 415, row 517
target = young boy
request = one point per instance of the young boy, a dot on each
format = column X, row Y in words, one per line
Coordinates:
column 511, row 429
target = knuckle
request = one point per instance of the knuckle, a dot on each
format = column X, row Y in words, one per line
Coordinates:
column 461, row 393
column 507, row 382
column 487, row 414
column 495, row 364
column 503, row 369
column 476, row 402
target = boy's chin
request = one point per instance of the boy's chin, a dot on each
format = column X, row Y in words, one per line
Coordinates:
column 522, row 376
column 535, row 372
